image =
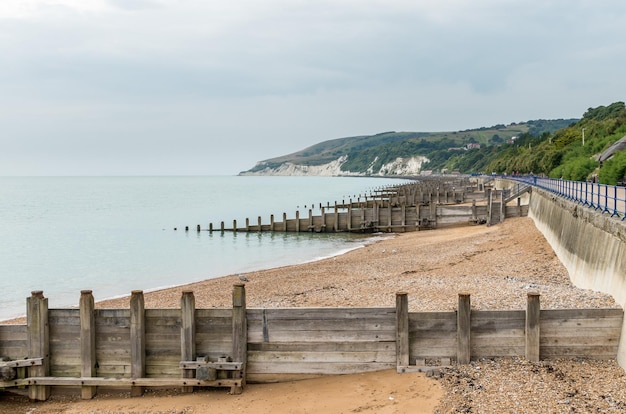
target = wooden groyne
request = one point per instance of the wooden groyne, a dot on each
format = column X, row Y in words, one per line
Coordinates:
column 87, row 349
column 426, row 203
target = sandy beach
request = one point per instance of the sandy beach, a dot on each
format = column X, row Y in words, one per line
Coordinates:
column 497, row 265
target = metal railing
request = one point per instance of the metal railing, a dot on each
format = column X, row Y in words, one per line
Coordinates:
column 610, row 199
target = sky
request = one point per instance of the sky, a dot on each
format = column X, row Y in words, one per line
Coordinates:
column 197, row 87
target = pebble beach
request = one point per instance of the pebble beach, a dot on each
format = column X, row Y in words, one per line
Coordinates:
column 497, row 265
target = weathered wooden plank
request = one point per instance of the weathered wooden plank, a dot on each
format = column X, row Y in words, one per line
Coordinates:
column 595, row 352
column 211, row 342
column 581, row 323
column 215, row 330
column 577, row 331
column 113, row 313
column 65, row 370
column 61, row 331
column 579, row 340
column 206, row 324
column 433, row 353
column 294, row 325
column 331, row 357
column 504, row 341
column 122, row 354
column 497, row 351
column 170, row 329
column 321, row 313
column 497, row 325
column 113, row 340
column 226, row 366
column 159, row 371
column 216, row 313
column 432, row 320
column 317, row 367
column 122, row 382
column 18, row 350
column 154, row 338
column 478, row 315
column 13, row 332
column 66, row 354
column 317, row 336
column 497, row 333
column 548, row 314
column 320, row 346
column 112, row 324
column 38, row 341
column 425, row 343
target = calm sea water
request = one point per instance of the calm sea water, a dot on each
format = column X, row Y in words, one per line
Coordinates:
column 116, row 234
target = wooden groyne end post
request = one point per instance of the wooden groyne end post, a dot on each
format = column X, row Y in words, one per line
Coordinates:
column 402, row 330
column 87, row 342
column 188, row 333
column 533, row 313
column 137, row 340
column 463, row 329
column 240, row 333
column 38, row 342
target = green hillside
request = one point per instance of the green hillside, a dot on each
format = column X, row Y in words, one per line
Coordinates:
column 372, row 151
column 554, row 148
column 560, row 154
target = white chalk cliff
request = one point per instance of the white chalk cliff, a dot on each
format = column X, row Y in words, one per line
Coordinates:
column 400, row 166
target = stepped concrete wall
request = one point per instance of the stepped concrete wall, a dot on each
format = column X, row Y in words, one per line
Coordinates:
column 591, row 246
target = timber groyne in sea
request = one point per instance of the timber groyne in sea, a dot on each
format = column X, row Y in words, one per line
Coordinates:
column 424, row 203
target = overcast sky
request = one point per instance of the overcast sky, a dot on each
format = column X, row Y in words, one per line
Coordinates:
column 203, row 87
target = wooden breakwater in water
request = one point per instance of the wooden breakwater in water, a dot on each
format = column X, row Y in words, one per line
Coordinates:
column 426, row 203
column 86, row 348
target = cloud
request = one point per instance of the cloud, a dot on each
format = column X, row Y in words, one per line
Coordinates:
column 175, row 80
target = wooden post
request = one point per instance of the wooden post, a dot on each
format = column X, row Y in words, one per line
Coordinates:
column 235, row 226
column 311, row 220
column 463, row 329
column 198, row 228
column 259, row 222
column 210, row 227
column 247, row 224
column 188, row 333
column 297, row 221
column 402, row 329
column 336, row 223
column 285, row 222
column 137, row 340
column 363, row 223
column 323, row 210
column 38, row 342
column 403, row 216
column 271, row 222
column 489, row 207
column 533, row 313
column 240, row 333
column 87, row 342
column 222, row 226
column 474, row 214
column 376, row 214
column 502, row 207
column 350, row 216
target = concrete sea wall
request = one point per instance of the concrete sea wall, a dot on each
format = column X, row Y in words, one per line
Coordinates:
column 591, row 246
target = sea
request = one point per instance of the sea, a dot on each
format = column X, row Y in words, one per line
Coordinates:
column 113, row 235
